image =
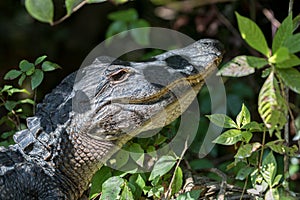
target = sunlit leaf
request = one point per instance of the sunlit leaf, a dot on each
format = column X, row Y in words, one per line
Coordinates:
column 111, row 188
column 269, row 168
column 280, row 55
column 40, row 10
column 243, row 117
column 162, row 166
column 252, row 34
column 271, row 105
column 237, row 67
column 284, row 31
column 126, row 193
column 98, row 179
column 229, row 137
column 222, row 120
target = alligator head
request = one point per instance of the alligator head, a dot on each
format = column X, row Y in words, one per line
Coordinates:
column 122, row 99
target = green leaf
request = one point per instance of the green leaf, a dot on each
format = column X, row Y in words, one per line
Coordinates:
column 124, row 15
column 252, row 34
column 95, row 1
column 40, row 10
column 253, row 127
column 10, row 105
column 26, row 67
column 291, row 77
column 293, row 43
column 229, row 137
column 98, row 179
column 284, row 31
column 6, row 135
column 49, row 66
column 111, row 188
column 140, row 36
column 12, row 74
column 243, row 173
column 244, row 151
column 222, row 120
column 269, row 168
column 40, row 59
column 256, row 62
column 126, row 193
column 121, row 158
column 24, row 101
column 162, row 166
column 11, row 91
column 247, row 136
column 178, row 179
column 138, row 181
column 137, row 153
column 36, row 78
column 243, row 117
column 291, row 62
column 271, row 105
column 277, row 180
column 280, row 55
column 71, row 4
column 272, row 194
column 237, row 67
column 276, row 146
column 21, row 79
column 115, row 28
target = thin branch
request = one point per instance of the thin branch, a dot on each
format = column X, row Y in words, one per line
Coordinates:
column 68, row 15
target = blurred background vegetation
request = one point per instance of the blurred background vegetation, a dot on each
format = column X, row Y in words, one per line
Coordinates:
column 67, row 44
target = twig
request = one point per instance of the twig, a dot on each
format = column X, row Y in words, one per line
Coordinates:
column 169, row 191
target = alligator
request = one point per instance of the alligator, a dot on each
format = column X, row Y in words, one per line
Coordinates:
column 93, row 112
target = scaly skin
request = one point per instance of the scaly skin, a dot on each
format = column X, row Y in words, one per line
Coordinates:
column 79, row 126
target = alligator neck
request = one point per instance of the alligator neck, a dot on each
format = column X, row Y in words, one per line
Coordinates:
column 79, row 157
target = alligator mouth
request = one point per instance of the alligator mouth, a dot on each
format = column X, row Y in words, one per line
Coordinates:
column 188, row 83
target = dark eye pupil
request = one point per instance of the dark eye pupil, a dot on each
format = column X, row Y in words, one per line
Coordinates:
column 119, row 75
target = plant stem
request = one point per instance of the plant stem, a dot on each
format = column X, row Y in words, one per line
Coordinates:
column 286, row 159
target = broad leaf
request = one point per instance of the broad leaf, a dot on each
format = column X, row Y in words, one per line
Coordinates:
column 98, row 179
column 40, row 59
column 271, row 105
column 126, row 193
column 49, row 66
column 252, row 34
column 162, row 166
column 280, row 55
column 27, row 67
column 137, row 153
column 40, row 10
column 178, row 180
column 243, row 117
column 71, row 4
column 229, row 137
column 244, row 151
column 222, row 120
column 111, row 188
column 10, row 105
column 12, row 74
column 191, row 195
column 237, row 67
column 283, row 32
column 292, row 61
column 21, row 79
column 293, row 43
column 244, row 172
column 269, row 168
column 37, row 78
column 124, row 15
column 256, row 62
column 291, row 77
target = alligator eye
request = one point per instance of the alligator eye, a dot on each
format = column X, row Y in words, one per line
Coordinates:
column 119, row 76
